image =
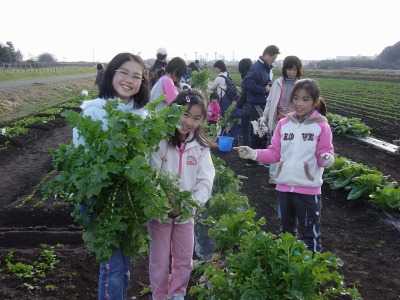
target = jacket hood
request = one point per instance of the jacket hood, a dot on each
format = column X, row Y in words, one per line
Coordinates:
column 315, row 117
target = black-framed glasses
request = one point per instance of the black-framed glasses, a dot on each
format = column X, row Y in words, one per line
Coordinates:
column 124, row 74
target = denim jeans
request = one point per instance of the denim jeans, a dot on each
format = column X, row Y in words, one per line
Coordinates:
column 250, row 113
column 114, row 277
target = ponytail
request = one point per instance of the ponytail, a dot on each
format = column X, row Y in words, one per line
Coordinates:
column 321, row 107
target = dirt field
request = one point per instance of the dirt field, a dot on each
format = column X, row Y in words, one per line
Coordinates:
column 356, row 233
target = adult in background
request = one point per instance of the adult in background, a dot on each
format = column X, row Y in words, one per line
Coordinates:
column 277, row 106
column 257, row 84
column 219, row 85
column 161, row 62
column 100, row 71
column 243, row 67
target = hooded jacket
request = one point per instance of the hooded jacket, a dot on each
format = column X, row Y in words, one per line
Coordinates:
column 192, row 163
column 297, row 147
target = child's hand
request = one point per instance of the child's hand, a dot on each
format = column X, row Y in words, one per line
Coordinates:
column 246, row 152
column 329, row 159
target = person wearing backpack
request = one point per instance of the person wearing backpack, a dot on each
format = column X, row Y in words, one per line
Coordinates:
column 257, row 84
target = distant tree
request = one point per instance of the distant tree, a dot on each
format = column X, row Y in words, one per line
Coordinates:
column 46, row 57
column 18, row 56
column 4, row 54
column 11, row 51
column 390, row 54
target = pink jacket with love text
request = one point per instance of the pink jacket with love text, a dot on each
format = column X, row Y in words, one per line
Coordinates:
column 297, row 147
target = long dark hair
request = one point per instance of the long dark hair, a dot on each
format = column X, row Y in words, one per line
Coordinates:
column 188, row 98
column 313, row 89
column 106, row 89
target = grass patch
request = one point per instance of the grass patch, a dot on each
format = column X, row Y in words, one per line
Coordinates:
column 22, row 101
column 10, row 75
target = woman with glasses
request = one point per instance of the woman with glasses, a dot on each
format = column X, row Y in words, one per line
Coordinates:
column 169, row 81
column 125, row 78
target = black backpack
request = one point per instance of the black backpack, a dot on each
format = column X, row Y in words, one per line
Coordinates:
column 231, row 91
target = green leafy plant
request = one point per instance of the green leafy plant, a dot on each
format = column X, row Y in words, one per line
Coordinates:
column 386, row 198
column 230, row 230
column 271, row 267
column 34, row 120
column 37, row 269
column 365, row 184
column 114, row 189
column 226, row 204
column 51, row 111
column 353, row 126
column 13, row 131
column 227, row 121
column 225, row 180
column 200, row 79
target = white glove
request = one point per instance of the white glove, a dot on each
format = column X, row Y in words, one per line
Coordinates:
column 263, row 129
column 329, row 159
column 259, row 129
column 246, row 152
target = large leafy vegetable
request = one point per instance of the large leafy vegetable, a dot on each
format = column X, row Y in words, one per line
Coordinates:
column 114, row 189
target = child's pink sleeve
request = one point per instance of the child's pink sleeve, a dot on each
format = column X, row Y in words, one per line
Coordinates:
column 218, row 109
column 170, row 89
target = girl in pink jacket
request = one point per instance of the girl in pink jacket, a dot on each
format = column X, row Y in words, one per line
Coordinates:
column 302, row 147
column 186, row 153
column 168, row 81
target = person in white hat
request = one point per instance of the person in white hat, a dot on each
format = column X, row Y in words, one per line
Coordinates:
column 161, row 62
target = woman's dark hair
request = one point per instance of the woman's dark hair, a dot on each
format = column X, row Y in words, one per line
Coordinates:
column 99, row 66
column 313, row 90
column 244, row 66
column 290, row 62
column 214, row 95
column 220, row 65
column 194, row 67
column 175, row 66
column 188, row 98
column 106, row 88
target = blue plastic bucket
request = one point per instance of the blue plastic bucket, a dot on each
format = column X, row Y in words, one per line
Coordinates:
column 225, row 143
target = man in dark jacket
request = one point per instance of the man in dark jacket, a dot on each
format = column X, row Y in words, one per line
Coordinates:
column 161, row 62
column 257, row 84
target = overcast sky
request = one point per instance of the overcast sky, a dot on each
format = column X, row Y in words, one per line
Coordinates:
column 96, row 30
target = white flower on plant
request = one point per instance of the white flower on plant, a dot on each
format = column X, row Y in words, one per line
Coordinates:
column 85, row 93
column 3, row 131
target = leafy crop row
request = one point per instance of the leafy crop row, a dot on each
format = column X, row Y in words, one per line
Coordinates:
column 362, row 181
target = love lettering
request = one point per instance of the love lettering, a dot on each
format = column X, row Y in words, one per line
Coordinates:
column 306, row 136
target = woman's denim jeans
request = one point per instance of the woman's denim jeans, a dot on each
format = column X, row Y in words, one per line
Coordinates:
column 114, row 278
